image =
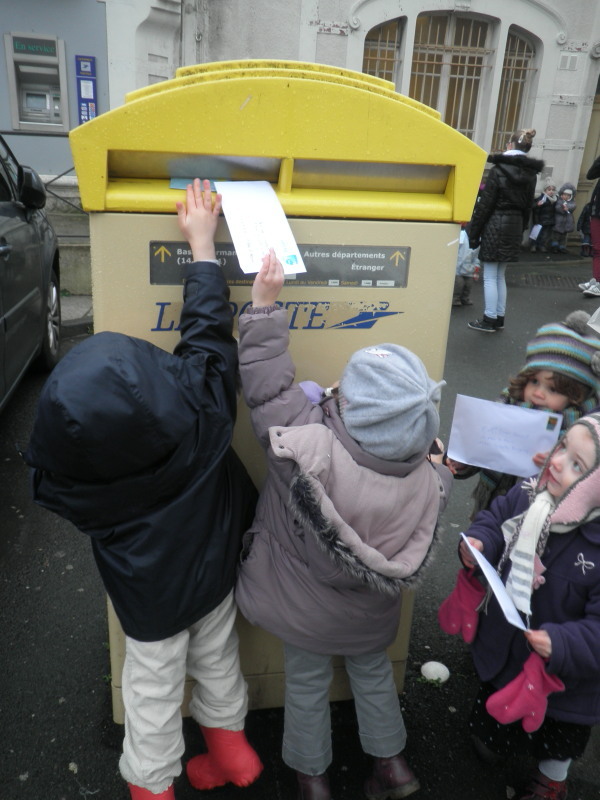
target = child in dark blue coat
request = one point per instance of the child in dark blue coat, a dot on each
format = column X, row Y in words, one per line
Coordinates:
column 133, row 445
column 540, row 688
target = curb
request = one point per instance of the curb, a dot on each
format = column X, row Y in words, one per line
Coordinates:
column 76, row 327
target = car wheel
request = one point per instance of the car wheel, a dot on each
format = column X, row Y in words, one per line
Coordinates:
column 51, row 344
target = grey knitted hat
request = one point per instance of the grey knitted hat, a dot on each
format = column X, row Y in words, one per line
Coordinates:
column 388, row 402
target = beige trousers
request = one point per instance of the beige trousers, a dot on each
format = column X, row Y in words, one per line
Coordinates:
column 154, row 676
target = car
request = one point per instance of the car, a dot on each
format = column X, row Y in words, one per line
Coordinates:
column 29, row 275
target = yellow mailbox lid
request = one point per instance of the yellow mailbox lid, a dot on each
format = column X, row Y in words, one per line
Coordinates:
column 333, row 142
column 300, row 68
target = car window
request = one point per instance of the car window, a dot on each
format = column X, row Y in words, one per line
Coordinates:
column 5, row 186
column 10, row 163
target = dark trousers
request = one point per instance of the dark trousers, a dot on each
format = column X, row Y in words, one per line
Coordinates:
column 462, row 288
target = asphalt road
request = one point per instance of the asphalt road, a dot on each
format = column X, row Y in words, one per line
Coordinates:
column 58, row 741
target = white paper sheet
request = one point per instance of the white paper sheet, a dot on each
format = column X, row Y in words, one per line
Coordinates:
column 501, row 437
column 594, row 321
column 535, row 231
column 506, row 604
column 256, row 222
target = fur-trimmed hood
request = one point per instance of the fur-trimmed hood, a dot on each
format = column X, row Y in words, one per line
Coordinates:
column 382, row 553
column 521, row 166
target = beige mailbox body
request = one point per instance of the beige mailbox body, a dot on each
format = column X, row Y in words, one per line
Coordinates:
column 374, row 186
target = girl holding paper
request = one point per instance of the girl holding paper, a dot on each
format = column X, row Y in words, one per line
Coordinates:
column 540, row 688
column 543, row 216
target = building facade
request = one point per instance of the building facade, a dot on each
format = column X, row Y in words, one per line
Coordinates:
column 488, row 68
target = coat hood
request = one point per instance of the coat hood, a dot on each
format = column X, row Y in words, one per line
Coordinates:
column 568, row 187
column 581, row 502
column 518, row 169
column 107, row 410
column 329, row 494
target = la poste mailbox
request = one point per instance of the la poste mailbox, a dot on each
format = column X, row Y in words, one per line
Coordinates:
column 374, row 186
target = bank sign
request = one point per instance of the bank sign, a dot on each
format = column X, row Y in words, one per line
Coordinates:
column 328, row 266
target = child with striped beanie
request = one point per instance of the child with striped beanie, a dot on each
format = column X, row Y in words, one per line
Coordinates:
column 562, row 374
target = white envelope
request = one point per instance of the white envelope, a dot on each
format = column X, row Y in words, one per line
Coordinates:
column 501, row 437
column 506, row 604
column 256, row 222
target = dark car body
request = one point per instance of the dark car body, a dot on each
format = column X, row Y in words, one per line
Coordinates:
column 29, row 275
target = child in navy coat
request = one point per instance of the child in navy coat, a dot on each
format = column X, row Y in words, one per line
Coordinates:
column 133, row 445
column 540, row 688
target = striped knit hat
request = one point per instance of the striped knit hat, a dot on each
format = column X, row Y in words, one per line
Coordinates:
column 569, row 349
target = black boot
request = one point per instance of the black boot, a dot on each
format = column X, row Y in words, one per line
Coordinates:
column 499, row 323
column 313, row 787
column 391, row 777
column 485, row 325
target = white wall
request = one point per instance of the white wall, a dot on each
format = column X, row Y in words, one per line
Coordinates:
column 566, row 33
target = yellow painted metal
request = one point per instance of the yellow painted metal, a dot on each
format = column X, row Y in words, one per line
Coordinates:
column 349, row 128
column 216, row 69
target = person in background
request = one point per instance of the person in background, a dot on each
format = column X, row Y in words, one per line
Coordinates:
column 591, row 288
column 346, row 519
column 467, row 270
column 133, row 445
column 499, row 218
column 584, row 228
column 543, row 215
column 564, row 221
column 540, row 687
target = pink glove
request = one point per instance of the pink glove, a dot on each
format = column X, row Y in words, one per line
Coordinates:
column 526, row 696
column 458, row 613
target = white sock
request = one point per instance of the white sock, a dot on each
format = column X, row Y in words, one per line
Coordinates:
column 555, row 770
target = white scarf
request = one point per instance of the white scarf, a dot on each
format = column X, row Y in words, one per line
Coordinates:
column 520, row 578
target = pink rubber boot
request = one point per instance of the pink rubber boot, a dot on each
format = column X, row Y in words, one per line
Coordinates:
column 137, row 793
column 230, row 759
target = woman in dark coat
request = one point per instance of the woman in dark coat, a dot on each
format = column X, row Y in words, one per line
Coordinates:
column 499, row 219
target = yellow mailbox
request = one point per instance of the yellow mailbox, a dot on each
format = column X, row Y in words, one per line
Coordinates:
column 374, row 186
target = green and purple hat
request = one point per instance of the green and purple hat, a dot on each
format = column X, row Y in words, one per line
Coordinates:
column 569, row 349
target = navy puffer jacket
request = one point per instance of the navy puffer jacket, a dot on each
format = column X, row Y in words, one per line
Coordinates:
column 502, row 212
column 132, row 444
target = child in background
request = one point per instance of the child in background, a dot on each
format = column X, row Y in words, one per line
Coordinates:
column 564, row 221
column 561, row 373
column 346, row 519
column 543, row 215
column 467, row 269
column 540, row 688
column 132, row 445
column 584, row 226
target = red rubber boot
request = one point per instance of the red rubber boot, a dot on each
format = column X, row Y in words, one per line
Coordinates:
column 230, row 759
column 137, row 793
